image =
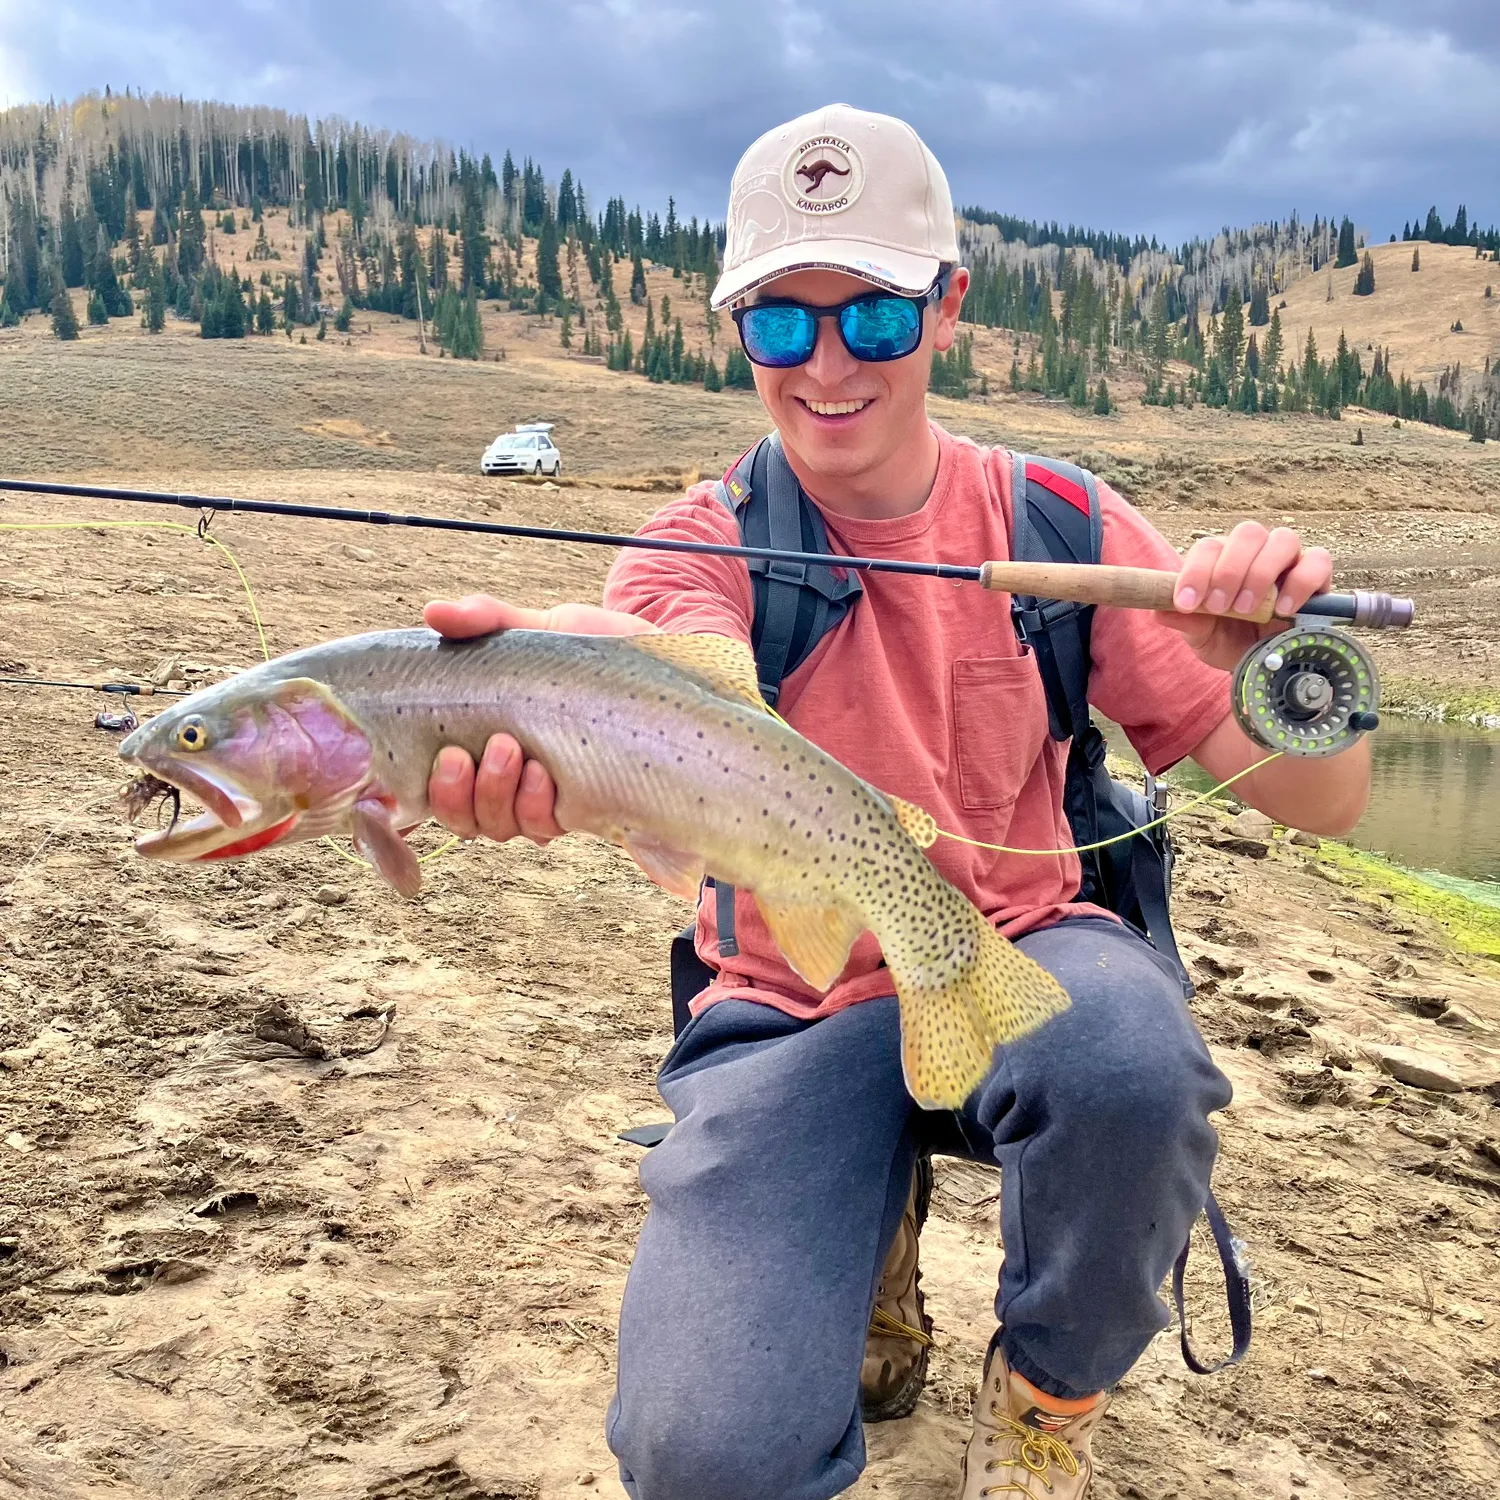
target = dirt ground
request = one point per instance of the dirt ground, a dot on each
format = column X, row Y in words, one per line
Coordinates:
column 307, row 1192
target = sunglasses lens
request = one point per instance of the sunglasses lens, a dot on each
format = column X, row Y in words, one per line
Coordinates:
column 778, row 335
column 879, row 328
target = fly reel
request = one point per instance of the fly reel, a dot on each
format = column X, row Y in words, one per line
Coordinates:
column 1310, row 691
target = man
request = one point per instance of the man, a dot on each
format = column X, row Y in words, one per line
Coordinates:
column 779, row 1193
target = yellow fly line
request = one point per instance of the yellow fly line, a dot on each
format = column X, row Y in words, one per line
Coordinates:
column 178, row 526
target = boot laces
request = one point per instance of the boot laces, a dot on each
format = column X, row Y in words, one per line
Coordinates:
column 1037, row 1452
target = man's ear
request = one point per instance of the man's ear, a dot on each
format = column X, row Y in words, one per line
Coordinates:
column 946, row 321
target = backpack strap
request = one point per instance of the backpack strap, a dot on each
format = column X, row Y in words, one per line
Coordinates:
column 796, row 604
column 1237, row 1283
column 1056, row 517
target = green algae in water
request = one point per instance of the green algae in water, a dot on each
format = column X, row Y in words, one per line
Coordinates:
column 1467, row 910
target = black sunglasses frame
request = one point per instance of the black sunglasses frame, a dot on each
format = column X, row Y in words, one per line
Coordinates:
column 923, row 300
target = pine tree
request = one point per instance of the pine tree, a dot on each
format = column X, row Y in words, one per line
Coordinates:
column 265, row 314
column 1102, row 405
column 71, row 246
column 638, row 293
column 1260, row 306
column 548, row 274
column 64, row 319
column 154, row 304
column 711, row 378
column 1232, row 336
column 1346, row 252
column 739, row 374
column 1416, row 258
column 1270, row 359
column 1364, row 283
column 98, row 313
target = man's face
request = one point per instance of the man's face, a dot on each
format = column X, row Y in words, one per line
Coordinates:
column 840, row 417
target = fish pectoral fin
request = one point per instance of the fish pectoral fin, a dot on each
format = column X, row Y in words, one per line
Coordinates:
column 376, row 839
column 815, row 939
column 725, row 666
column 675, row 870
column 921, row 827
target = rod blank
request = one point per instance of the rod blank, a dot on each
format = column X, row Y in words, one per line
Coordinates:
column 1083, row 583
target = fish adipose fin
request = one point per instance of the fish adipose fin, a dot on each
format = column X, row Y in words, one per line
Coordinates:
column 921, row 827
column 673, row 870
column 724, row 666
column 378, row 842
column 949, row 1035
column 815, row 939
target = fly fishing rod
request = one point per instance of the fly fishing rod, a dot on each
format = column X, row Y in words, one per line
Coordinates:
column 1307, row 691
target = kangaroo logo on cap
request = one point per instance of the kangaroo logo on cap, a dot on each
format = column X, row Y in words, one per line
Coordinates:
column 823, row 175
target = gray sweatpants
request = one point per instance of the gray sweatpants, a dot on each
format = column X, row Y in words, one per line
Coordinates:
column 779, row 1190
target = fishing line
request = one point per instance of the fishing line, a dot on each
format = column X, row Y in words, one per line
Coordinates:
column 1120, row 838
column 202, row 533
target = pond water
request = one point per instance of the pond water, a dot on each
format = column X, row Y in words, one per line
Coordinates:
column 1434, row 802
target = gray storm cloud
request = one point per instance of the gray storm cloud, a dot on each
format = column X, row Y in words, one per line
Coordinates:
column 1168, row 117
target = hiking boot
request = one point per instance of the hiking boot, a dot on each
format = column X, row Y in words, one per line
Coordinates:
column 1027, row 1443
column 895, row 1367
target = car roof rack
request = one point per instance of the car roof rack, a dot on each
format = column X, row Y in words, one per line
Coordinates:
column 535, row 426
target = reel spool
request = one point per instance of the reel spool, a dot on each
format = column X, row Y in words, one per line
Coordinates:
column 1309, row 691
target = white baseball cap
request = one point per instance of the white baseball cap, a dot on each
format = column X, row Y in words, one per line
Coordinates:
column 839, row 189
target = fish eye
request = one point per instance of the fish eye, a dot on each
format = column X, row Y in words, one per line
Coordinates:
column 193, row 735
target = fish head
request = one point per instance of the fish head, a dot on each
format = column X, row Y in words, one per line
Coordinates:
column 273, row 761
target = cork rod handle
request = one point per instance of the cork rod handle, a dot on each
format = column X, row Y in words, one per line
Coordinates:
column 1099, row 583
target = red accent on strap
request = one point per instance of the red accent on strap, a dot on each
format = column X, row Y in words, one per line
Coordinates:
column 1064, row 489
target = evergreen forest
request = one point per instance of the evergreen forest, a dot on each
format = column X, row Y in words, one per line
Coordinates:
column 138, row 202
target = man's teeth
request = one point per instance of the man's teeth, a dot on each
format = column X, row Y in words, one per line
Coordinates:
column 835, row 408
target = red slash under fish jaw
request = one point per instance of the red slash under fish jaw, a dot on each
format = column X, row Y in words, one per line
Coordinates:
column 262, row 840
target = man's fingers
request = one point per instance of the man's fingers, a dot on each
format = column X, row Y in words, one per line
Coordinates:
column 450, row 791
column 482, row 614
column 1196, row 570
column 495, row 786
column 1312, row 575
column 1278, row 553
column 479, row 614
column 536, row 804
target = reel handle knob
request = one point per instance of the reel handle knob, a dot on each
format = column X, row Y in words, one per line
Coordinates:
column 1365, row 722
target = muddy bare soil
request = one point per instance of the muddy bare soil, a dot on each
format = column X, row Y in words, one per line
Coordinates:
column 309, row 1192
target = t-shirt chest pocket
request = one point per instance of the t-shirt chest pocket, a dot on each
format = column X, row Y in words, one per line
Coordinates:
column 1000, row 719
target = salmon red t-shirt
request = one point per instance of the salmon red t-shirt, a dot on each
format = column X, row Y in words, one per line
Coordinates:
column 923, row 690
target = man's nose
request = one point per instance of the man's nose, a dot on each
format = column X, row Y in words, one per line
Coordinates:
column 831, row 362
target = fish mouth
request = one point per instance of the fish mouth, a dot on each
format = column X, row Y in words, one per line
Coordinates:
column 232, row 823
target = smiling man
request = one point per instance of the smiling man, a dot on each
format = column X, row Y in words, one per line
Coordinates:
column 782, row 1202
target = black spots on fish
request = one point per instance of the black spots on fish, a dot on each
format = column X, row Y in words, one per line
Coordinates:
column 856, row 820
column 788, row 796
column 583, row 740
column 370, row 673
column 390, row 755
column 700, row 734
column 399, row 710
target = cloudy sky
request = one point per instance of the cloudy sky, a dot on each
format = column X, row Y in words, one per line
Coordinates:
column 1167, row 117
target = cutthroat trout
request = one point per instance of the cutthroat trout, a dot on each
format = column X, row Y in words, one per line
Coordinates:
column 660, row 743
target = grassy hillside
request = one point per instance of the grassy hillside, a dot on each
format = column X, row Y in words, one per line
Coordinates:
column 1411, row 313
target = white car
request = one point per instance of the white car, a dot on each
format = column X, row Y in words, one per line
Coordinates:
column 527, row 450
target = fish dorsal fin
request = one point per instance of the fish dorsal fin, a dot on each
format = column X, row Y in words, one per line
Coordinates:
column 723, row 665
column 921, row 827
column 815, row 939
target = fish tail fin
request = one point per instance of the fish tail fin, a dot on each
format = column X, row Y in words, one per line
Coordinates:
column 954, row 1013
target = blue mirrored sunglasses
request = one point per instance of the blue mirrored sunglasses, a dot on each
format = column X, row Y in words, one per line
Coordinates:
column 875, row 327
